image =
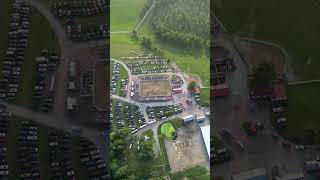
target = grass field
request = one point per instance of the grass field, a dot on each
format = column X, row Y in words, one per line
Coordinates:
column 155, row 88
column 167, row 129
column 121, row 45
column 40, row 37
column 205, row 97
column 196, row 172
column 125, row 14
column 303, row 112
column 296, row 32
column 100, row 85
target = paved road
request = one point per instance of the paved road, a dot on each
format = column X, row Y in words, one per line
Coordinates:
column 231, row 112
column 144, row 17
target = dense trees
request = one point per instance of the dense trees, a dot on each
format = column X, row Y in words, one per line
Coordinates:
column 119, row 149
column 182, row 22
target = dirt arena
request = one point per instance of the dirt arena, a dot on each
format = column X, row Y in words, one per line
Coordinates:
column 155, row 88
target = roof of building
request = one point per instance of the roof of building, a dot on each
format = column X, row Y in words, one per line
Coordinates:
column 279, row 91
column 255, row 174
column 205, row 131
column 220, row 90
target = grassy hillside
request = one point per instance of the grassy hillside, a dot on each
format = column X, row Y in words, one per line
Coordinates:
column 125, row 14
column 292, row 24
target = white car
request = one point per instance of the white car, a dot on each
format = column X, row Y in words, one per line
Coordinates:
column 300, row 147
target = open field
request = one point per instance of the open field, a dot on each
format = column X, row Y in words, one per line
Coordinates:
column 205, row 97
column 100, row 85
column 303, row 112
column 167, row 129
column 40, row 37
column 121, row 45
column 196, row 172
column 296, row 32
column 155, row 88
column 257, row 53
column 125, row 14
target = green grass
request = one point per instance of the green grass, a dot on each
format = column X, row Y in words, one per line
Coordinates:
column 40, row 37
column 303, row 112
column 125, row 14
column 121, row 45
column 296, row 32
column 143, row 168
column 190, row 61
column 5, row 9
column 167, row 129
column 205, row 97
column 193, row 61
column 196, row 173
column 177, row 123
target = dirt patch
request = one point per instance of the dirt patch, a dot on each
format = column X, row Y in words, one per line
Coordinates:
column 155, row 88
column 188, row 150
column 256, row 53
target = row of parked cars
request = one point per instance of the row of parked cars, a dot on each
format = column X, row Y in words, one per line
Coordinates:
column 148, row 66
column 59, row 156
column 15, row 54
column 126, row 113
column 4, row 121
column 79, row 8
column 87, row 32
column 45, row 64
column 162, row 112
column 28, row 151
column 115, row 80
column 90, row 157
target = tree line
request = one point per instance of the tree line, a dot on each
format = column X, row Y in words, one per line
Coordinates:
column 182, row 22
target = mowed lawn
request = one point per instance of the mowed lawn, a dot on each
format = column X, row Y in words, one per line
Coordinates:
column 125, row 14
column 40, row 37
column 294, row 25
column 205, row 97
column 303, row 111
column 167, row 129
column 121, row 45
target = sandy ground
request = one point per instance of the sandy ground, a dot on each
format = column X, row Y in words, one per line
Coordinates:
column 188, row 150
column 155, row 88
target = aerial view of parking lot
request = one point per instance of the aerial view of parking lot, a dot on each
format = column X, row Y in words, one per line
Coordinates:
column 160, row 89
column 265, row 84
column 53, row 89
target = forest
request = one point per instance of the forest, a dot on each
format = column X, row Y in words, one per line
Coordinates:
column 182, row 22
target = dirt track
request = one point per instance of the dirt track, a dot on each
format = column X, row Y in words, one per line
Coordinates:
column 155, row 88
